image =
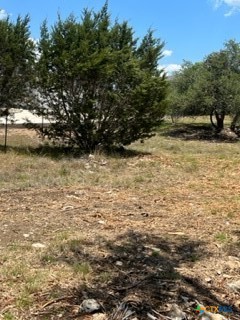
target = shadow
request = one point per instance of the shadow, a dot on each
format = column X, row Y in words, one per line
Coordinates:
column 203, row 132
column 145, row 271
column 57, row 153
column 122, row 152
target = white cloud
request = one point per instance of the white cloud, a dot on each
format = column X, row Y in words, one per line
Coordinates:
column 3, row 14
column 167, row 53
column 170, row 68
column 234, row 6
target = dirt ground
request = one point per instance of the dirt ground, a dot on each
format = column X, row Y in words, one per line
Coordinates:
column 140, row 245
column 153, row 254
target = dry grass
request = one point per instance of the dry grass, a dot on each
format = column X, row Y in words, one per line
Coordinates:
column 169, row 204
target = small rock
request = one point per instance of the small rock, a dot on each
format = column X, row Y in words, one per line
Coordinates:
column 119, row 263
column 208, row 280
column 89, row 306
column 26, row 235
column 38, row 245
column 101, row 222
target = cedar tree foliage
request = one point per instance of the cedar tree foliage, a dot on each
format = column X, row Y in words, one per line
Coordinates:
column 17, row 56
column 96, row 85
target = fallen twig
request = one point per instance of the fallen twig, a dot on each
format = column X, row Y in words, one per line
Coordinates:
column 55, row 301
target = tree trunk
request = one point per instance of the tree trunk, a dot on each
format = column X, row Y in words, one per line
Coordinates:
column 219, row 120
column 234, row 122
column 6, row 132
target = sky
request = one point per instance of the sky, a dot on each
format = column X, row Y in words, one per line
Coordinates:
column 190, row 29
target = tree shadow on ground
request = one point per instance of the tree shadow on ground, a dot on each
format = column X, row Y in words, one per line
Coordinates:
column 204, row 132
column 57, row 153
column 147, row 271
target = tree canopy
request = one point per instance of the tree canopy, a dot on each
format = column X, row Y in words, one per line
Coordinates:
column 98, row 86
column 209, row 87
column 17, row 56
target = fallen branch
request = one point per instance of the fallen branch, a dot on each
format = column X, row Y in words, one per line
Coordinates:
column 55, row 301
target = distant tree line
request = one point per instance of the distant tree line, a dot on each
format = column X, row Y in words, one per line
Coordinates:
column 210, row 87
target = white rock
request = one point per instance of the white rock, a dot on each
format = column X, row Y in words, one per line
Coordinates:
column 101, row 222
column 119, row 263
column 26, row 235
column 38, row 245
column 89, row 306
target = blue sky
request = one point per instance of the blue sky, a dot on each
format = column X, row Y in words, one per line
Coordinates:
column 191, row 29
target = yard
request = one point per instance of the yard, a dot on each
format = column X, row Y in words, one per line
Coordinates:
column 155, row 227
